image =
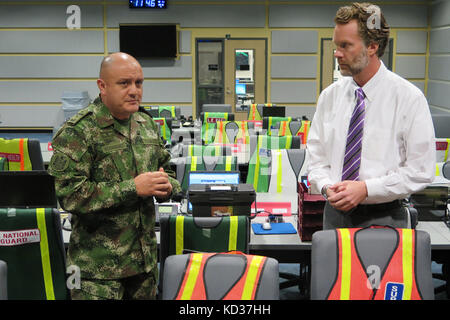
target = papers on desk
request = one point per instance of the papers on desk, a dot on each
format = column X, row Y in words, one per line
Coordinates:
column 264, row 208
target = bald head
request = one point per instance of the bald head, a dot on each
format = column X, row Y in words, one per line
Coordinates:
column 121, row 84
column 113, row 60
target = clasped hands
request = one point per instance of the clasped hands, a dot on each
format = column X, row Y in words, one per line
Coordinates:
column 346, row 195
column 154, row 183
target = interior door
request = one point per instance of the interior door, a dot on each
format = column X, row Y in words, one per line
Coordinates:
column 245, row 74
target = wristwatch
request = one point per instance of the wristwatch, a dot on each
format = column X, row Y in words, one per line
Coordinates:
column 324, row 191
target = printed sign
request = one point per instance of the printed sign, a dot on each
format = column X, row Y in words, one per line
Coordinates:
column 19, row 237
column 394, row 291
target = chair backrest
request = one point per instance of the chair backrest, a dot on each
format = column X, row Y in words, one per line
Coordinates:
column 221, row 272
column 211, row 107
column 261, row 147
column 33, row 248
column 3, row 280
column 446, row 170
column 271, row 123
column 165, row 126
column 209, row 234
column 169, row 112
column 209, row 124
column 441, row 124
column 4, row 166
column 23, row 154
column 255, row 110
column 208, row 150
column 184, row 165
column 295, row 128
column 442, row 149
column 375, row 246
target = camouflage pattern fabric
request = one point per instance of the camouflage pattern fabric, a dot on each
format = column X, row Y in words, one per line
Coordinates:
column 94, row 164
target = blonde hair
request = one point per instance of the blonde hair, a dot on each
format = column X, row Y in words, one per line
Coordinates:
column 364, row 13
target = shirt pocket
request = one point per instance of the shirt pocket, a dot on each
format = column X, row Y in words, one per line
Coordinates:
column 107, row 167
column 147, row 154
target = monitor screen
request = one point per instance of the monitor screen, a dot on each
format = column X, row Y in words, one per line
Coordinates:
column 147, row 41
column 34, row 189
column 274, row 111
column 240, row 88
column 213, row 177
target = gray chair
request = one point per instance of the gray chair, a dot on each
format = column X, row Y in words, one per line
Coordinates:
column 3, row 280
column 441, row 122
column 446, row 170
column 211, row 107
column 221, row 272
column 375, row 246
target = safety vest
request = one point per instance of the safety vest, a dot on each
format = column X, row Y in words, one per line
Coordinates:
column 302, row 131
column 16, row 151
column 209, row 124
column 245, row 288
column 179, row 231
column 397, row 280
column 253, row 113
column 171, row 109
column 164, row 128
column 242, row 136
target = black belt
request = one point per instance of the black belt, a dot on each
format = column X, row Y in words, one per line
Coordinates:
column 379, row 207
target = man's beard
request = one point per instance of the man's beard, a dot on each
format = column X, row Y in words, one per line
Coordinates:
column 357, row 65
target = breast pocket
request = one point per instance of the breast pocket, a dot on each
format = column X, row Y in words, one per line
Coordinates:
column 376, row 145
column 109, row 165
column 147, row 153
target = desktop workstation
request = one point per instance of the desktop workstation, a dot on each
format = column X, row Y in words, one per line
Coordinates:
column 270, row 196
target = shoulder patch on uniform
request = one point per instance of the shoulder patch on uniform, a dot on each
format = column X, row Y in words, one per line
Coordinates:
column 59, row 162
column 80, row 115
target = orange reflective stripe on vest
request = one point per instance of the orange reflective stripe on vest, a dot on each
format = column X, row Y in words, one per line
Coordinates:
column 397, row 279
column 245, row 288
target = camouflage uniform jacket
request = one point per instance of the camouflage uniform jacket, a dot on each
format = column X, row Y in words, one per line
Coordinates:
column 94, row 165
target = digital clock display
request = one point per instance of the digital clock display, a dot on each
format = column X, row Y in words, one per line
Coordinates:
column 151, row 4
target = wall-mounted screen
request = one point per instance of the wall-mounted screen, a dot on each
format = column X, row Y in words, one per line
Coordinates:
column 149, row 40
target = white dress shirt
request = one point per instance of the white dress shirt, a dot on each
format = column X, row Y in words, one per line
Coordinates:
column 398, row 147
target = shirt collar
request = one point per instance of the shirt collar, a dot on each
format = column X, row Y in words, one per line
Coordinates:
column 104, row 116
column 371, row 86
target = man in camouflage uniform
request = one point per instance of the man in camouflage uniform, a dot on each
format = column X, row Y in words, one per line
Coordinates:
column 109, row 164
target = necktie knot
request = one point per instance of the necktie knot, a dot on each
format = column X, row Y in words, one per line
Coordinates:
column 360, row 94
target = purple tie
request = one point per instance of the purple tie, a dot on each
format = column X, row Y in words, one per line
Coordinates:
column 352, row 158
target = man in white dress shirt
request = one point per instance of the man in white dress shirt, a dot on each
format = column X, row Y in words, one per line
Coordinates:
column 394, row 154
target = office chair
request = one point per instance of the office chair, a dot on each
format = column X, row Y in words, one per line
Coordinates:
column 220, row 273
column 209, row 124
column 255, row 110
column 261, row 148
column 446, row 170
column 207, row 234
column 165, row 126
column 295, row 128
column 335, row 265
column 3, row 280
column 208, row 150
column 441, row 123
column 271, row 123
column 33, row 248
column 211, row 107
column 4, row 166
column 23, row 154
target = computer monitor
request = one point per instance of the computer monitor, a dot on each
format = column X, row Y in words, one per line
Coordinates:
column 277, row 111
column 212, row 177
column 27, row 189
column 240, row 88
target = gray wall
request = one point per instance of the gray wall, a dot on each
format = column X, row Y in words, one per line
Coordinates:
column 40, row 58
column 439, row 62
